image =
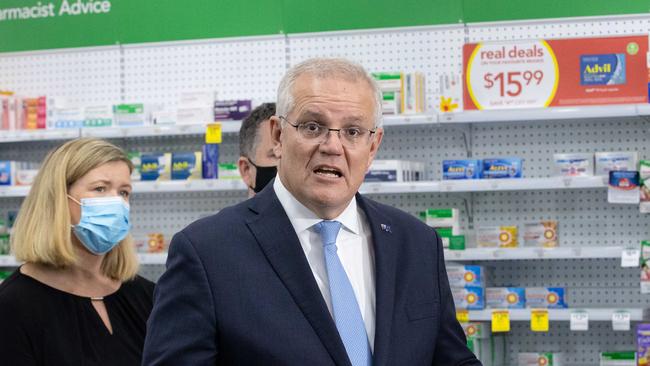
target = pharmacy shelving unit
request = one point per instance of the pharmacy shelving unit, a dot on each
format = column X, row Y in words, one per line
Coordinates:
column 592, row 232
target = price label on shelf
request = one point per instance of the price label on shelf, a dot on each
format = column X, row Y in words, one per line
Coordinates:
column 539, row 320
column 621, row 320
column 579, row 321
column 630, row 257
column 462, row 316
column 500, row 321
column 213, row 133
column 512, row 75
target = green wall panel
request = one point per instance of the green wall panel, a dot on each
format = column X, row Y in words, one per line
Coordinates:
column 503, row 10
column 136, row 21
column 357, row 14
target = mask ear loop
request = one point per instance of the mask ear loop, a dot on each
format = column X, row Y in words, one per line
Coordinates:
column 256, row 167
column 73, row 199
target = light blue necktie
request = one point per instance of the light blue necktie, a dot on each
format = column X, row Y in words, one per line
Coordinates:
column 347, row 315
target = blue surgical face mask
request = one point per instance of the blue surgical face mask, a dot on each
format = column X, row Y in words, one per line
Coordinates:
column 103, row 224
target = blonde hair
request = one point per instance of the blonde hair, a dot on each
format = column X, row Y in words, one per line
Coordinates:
column 42, row 232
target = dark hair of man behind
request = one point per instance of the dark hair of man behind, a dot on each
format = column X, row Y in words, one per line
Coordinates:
column 249, row 127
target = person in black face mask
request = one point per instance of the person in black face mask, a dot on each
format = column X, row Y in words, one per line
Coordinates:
column 257, row 163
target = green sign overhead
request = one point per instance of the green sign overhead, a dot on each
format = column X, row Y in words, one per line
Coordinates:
column 48, row 24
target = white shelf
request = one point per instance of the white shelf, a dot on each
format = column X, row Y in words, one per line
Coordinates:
column 556, row 113
column 521, row 184
column 14, row 191
column 189, row 185
column 156, row 130
column 38, row 135
column 143, row 258
column 113, row 132
column 537, row 114
column 153, row 258
column 8, row 261
column 409, row 119
column 491, row 254
column 602, row 314
column 446, row 186
column 485, row 185
column 489, row 116
column 395, row 187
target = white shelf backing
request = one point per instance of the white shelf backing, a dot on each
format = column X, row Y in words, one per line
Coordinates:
column 81, row 76
column 492, row 254
column 434, row 51
column 241, row 68
column 157, row 130
column 564, row 315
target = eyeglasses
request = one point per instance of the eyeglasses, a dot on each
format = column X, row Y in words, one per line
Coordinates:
column 317, row 133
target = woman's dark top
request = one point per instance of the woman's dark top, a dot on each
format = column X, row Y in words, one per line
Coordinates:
column 40, row 325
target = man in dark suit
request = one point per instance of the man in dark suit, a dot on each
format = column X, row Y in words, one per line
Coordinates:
column 309, row 272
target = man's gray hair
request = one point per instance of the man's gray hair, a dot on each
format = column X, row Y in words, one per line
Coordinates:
column 324, row 68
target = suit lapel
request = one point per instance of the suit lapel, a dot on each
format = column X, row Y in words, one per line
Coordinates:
column 386, row 253
column 275, row 235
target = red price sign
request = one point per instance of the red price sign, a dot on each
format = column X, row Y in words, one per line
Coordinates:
column 512, row 75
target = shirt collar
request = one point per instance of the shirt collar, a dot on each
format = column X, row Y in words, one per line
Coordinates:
column 303, row 218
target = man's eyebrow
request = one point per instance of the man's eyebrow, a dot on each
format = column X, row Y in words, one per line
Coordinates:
column 311, row 114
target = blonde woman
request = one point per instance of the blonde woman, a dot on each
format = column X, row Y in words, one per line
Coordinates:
column 77, row 300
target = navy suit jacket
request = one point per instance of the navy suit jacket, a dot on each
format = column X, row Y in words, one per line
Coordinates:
column 238, row 290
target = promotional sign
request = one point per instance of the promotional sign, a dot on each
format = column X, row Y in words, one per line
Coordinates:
column 553, row 73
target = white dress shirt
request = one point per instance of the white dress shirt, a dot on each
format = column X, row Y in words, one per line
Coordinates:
column 354, row 250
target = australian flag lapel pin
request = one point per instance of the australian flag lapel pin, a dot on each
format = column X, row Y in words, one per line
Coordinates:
column 385, row 228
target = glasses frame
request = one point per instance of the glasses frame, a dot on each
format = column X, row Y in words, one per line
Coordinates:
column 296, row 126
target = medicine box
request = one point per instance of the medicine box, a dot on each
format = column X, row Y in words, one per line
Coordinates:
column 186, row 165
column 479, row 330
column 126, row 115
column 505, row 297
column 497, row 237
column 623, row 160
column 442, row 218
column 470, row 297
column 546, row 297
column 502, row 168
column 539, row 359
column 7, row 172
column 574, row 165
column 643, row 344
column 466, row 275
column 229, row 171
column 155, row 166
column 541, row 234
column 462, row 169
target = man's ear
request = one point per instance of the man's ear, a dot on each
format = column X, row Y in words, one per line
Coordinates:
column 374, row 146
column 246, row 171
column 276, row 135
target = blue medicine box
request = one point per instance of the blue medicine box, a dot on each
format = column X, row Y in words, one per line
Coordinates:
column 461, row 169
column 502, row 168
